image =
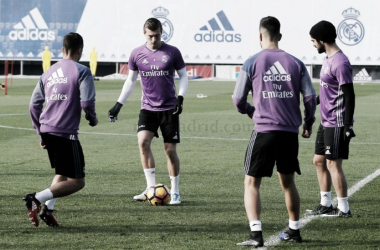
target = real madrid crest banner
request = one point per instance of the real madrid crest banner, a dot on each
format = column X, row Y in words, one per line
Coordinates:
column 206, row 32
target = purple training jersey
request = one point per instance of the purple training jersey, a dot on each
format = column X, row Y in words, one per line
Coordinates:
column 157, row 75
column 276, row 80
column 66, row 87
column 336, row 71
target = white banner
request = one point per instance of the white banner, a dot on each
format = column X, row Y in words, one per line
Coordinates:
column 226, row 32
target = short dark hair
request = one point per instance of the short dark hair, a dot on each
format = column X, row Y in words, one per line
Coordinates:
column 72, row 42
column 272, row 25
column 153, row 24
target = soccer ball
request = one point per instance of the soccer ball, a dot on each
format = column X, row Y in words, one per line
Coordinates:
column 158, row 195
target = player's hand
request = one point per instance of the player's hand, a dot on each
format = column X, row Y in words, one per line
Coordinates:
column 93, row 123
column 178, row 106
column 114, row 111
column 348, row 132
column 307, row 131
column 42, row 145
column 250, row 113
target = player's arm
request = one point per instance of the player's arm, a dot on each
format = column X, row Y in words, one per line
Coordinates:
column 87, row 95
column 344, row 75
column 36, row 105
column 128, row 87
column 239, row 97
column 349, row 95
column 35, row 108
column 182, row 88
column 309, row 102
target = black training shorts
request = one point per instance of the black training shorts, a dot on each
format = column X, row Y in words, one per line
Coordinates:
column 267, row 149
column 165, row 120
column 65, row 155
column 331, row 143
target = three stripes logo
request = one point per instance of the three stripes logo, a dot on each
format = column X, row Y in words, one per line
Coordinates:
column 218, row 29
column 276, row 73
column 32, row 27
column 223, row 20
column 56, row 78
column 362, row 76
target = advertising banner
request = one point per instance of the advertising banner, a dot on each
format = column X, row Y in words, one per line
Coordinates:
column 27, row 27
column 193, row 71
column 206, row 32
column 359, row 73
column 227, row 71
column 204, row 71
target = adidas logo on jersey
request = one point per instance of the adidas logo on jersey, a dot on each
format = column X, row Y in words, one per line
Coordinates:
column 362, row 76
column 57, row 78
column 32, row 27
column 276, row 73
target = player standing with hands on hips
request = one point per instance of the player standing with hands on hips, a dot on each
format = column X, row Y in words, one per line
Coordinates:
column 67, row 87
column 276, row 80
column 160, row 106
column 337, row 105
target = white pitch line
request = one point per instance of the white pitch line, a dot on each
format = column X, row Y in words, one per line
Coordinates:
column 1, row 126
column 11, row 114
column 189, row 137
column 97, row 133
column 275, row 240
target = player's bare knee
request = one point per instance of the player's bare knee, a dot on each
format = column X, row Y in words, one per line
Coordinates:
column 80, row 183
column 81, row 186
column 251, row 182
column 170, row 151
column 319, row 161
column 248, row 183
column 144, row 144
column 289, row 185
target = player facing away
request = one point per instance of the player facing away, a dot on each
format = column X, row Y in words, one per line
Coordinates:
column 66, row 88
column 160, row 106
column 276, row 80
column 337, row 105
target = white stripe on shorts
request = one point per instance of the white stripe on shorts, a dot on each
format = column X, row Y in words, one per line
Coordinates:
column 248, row 155
column 336, row 142
column 77, row 163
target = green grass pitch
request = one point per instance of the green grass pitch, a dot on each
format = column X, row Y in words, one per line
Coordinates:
column 212, row 215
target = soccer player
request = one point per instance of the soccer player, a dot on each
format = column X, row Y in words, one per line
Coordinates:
column 160, row 106
column 66, row 87
column 276, row 80
column 337, row 105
